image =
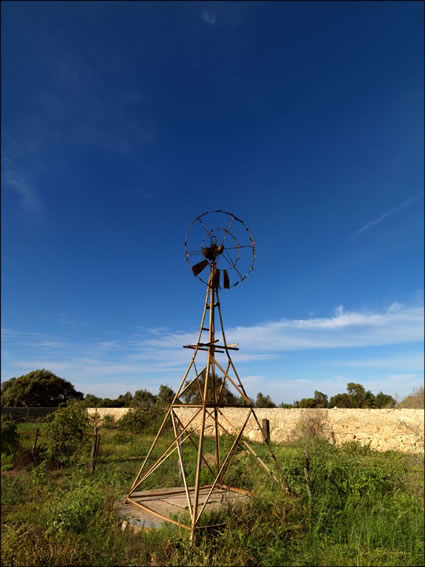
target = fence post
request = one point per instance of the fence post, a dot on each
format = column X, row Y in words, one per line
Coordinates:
column 34, row 447
column 97, row 446
column 266, row 430
column 93, row 452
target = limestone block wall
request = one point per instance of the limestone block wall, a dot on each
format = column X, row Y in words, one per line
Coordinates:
column 116, row 413
column 384, row 429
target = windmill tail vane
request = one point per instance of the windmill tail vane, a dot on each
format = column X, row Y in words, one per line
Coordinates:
column 197, row 411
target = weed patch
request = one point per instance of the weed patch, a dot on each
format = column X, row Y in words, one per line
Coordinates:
column 356, row 507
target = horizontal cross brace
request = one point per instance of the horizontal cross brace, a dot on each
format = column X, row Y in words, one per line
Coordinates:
column 203, row 348
column 200, row 346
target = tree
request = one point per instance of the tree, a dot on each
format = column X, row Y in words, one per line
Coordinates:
column 143, row 398
column 39, row 388
column 264, row 401
column 384, row 401
column 165, row 395
column 124, row 401
column 192, row 394
column 357, row 394
column 241, row 401
column 358, row 397
column 340, row 401
column 307, row 403
column 92, row 401
column 63, row 433
column 320, row 399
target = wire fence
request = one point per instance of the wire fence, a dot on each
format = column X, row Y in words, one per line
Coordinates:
column 22, row 415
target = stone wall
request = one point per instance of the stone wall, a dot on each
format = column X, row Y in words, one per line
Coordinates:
column 384, row 429
column 116, row 413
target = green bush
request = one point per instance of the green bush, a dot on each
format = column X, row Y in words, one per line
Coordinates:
column 63, row 434
column 108, row 421
column 39, row 476
column 9, row 436
column 142, row 419
column 76, row 508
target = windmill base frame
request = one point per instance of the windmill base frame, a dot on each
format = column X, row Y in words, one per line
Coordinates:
column 166, row 505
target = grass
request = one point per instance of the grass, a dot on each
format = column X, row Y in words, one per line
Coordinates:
column 364, row 508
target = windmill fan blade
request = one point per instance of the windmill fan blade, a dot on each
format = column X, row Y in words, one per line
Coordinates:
column 197, row 268
column 216, row 278
column 226, row 282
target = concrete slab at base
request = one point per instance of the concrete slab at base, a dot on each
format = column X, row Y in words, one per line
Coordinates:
column 173, row 502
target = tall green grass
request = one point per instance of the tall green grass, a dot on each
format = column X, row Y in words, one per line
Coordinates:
column 363, row 508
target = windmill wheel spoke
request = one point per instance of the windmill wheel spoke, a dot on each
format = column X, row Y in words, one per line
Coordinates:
column 226, row 230
column 218, row 242
column 233, row 265
column 204, row 227
column 237, row 247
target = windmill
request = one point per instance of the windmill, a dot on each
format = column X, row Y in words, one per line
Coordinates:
column 220, row 250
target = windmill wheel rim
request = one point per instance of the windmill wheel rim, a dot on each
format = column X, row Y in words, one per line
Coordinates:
column 211, row 238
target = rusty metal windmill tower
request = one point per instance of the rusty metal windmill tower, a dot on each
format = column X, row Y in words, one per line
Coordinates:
column 221, row 242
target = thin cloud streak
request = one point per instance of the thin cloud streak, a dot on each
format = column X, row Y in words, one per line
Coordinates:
column 209, row 17
column 30, row 201
column 414, row 363
column 397, row 324
column 381, row 218
column 156, row 356
column 291, row 389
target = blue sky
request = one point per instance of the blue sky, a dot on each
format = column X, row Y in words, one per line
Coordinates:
column 121, row 122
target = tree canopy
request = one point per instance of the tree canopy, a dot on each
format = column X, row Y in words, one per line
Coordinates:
column 227, row 398
column 39, row 388
column 355, row 397
column 358, row 397
column 264, row 401
column 42, row 388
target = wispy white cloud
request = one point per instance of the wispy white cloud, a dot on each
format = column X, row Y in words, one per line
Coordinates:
column 397, row 324
column 30, row 201
column 413, row 363
column 290, row 389
column 386, row 214
column 14, row 335
column 79, row 107
column 53, row 365
column 156, row 355
column 46, row 344
column 209, row 17
column 20, row 168
column 70, row 320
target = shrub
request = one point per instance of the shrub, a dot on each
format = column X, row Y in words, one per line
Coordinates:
column 9, row 436
column 76, row 508
column 415, row 400
column 141, row 419
column 311, row 425
column 39, row 477
column 94, row 419
column 63, row 433
column 108, row 421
